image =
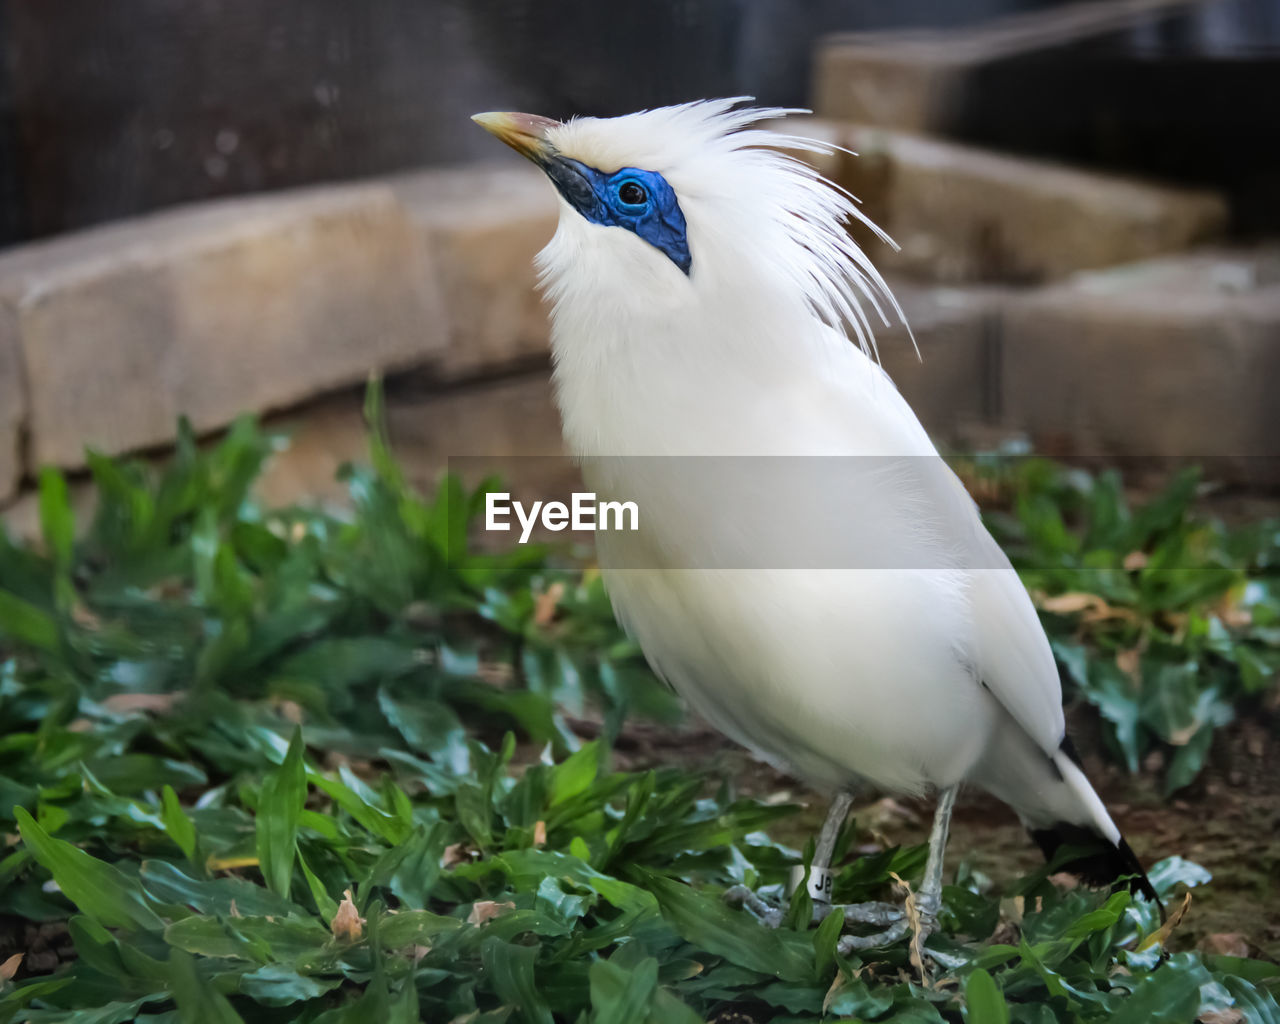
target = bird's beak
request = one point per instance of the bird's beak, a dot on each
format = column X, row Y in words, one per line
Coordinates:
column 525, row 133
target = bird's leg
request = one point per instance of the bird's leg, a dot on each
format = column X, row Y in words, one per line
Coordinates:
column 929, row 898
column 820, row 874
column 927, row 901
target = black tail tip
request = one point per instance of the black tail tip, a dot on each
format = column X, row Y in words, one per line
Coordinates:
column 1094, row 860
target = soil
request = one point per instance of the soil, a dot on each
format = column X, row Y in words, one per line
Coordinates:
column 1228, row 820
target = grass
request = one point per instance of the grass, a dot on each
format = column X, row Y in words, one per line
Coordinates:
column 287, row 765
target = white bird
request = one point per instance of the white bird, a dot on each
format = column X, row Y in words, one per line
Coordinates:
column 841, row 610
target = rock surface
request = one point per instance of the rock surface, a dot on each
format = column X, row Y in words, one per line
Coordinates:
column 1172, row 358
column 916, row 80
column 962, row 214
column 209, row 311
column 483, row 226
column 13, row 407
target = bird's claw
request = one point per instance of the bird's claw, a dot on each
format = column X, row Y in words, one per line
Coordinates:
column 759, row 908
column 892, row 920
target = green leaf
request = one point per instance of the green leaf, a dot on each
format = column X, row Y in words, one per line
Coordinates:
column 826, row 938
column 100, row 891
column 1168, row 995
column 430, row 727
column 574, row 774
column 282, row 985
column 198, row 1001
column 26, row 624
column 57, row 522
column 177, row 824
column 983, row 1003
column 166, row 883
column 326, row 906
column 709, row 924
column 512, row 972
column 620, row 995
column 279, row 806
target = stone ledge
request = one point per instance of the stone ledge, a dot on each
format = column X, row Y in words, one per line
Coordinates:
column 950, row 383
column 13, row 407
column 1171, row 358
column 916, row 80
column 211, row 310
column 259, row 304
column 484, row 225
column 963, row 214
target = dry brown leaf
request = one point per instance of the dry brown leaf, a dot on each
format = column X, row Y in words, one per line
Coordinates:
column 1235, row 617
column 290, row 711
column 123, row 703
column 167, row 589
column 1013, row 909
column 1161, row 934
column 1231, row 1015
column 1130, row 663
column 10, row 967
column 487, row 910
column 1070, row 603
column 886, row 812
column 347, row 922
column 835, row 988
column 1135, row 560
column 540, row 834
column 917, row 931
column 1063, row 880
column 1226, row 944
column 82, row 616
column 230, row 863
column 1090, row 607
column 545, row 604
column 455, row 854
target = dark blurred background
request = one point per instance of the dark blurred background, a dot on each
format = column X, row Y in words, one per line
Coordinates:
column 109, row 109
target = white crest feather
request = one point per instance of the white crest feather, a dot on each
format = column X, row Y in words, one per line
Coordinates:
column 713, row 153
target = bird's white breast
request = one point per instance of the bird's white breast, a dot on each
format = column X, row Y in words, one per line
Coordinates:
column 840, row 649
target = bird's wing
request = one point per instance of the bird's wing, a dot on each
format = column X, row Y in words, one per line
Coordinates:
column 1009, row 650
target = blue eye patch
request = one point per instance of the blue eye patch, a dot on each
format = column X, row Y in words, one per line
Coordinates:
column 640, row 201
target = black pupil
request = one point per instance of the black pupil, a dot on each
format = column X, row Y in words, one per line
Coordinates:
column 632, row 193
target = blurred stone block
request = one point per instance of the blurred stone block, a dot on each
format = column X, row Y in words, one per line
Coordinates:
column 1172, row 358
column 214, row 310
column 949, row 384
column 919, row 80
column 484, row 225
column 13, row 406
column 508, row 425
column 963, row 214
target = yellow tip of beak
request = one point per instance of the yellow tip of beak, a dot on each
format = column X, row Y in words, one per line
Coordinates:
column 525, row 133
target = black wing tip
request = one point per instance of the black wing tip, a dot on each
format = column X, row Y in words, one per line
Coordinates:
column 1100, row 862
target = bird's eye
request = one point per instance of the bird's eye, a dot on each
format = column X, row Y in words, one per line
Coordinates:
column 632, row 193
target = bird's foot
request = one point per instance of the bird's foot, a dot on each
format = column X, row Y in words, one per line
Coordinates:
column 760, row 907
column 889, row 919
column 917, row 917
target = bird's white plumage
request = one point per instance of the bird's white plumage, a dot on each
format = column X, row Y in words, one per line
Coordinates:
column 917, row 660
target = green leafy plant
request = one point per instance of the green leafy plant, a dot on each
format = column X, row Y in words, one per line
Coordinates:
column 297, row 765
column 1164, row 619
